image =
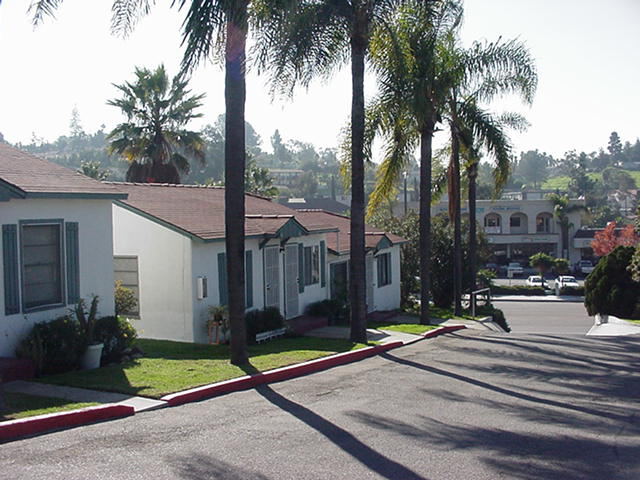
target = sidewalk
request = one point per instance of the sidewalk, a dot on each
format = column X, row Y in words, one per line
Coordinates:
column 139, row 404
column 373, row 335
column 535, row 298
column 614, row 327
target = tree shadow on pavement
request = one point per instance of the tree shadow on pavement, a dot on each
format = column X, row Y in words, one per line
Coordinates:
column 522, row 455
column 340, row 437
column 201, row 467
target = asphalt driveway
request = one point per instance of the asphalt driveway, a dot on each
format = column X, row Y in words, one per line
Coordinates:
column 553, row 318
column 464, row 405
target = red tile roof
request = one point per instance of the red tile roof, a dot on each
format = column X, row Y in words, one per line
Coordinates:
column 27, row 174
column 340, row 243
column 199, row 210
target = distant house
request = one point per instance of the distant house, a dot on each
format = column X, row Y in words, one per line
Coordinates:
column 285, row 177
column 169, row 246
column 382, row 260
column 56, row 242
column 326, row 204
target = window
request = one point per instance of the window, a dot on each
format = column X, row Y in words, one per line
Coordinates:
column 42, row 265
column 384, row 269
column 311, row 265
column 125, row 270
column 543, row 223
column 492, row 221
column 515, row 221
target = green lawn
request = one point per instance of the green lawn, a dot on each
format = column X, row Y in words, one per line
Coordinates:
column 632, row 321
column 169, row 367
column 20, row 405
column 413, row 328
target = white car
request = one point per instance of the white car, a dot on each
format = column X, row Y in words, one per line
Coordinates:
column 536, row 281
column 514, row 268
column 566, row 281
column 584, row 266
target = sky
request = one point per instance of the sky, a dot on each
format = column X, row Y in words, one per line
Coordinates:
column 587, row 54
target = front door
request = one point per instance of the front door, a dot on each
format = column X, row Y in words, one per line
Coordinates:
column 339, row 281
column 291, row 278
column 369, row 277
column 272, row 277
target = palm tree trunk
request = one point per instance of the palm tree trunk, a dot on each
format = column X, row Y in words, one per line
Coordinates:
column 357, row 275
column 426, row 136
column 234, row 153
column 454, row 208
column 473, row 240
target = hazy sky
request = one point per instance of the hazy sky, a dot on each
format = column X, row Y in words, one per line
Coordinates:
column 587, row 54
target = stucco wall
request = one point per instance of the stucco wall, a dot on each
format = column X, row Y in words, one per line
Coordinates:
column 95, row 258
column 164, row 266
column 387, row 297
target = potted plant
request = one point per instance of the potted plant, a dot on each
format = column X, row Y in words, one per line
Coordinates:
column 87, row 321
column 218, row 319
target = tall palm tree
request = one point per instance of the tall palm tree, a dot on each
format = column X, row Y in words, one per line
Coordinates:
column 212, row 28
column 561, row 209
column 154, row 139
column 413, row 83
column 312, row 39
column 478, row 74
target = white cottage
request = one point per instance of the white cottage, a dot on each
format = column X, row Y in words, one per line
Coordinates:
column 169, row 249
column 56, row 243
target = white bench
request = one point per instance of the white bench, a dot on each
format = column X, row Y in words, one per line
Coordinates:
column 264, row 336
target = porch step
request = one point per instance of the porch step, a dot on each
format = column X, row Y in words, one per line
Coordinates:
column 16, row 369
column 305, row 323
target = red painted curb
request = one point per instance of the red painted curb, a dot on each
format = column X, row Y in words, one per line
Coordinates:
column 277, row 375
column 41, row 423
column 443, row 330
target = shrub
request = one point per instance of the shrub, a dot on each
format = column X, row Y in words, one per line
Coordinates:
column 609, row 289
column 561, row 266
column 117, row 334
column 334, row 310
column 125, row 299
column 53, row 346
column 484, row 278
column 577, row 291
column 496, row 314
column 542, row 262
column 262, row 321
column 517, row 290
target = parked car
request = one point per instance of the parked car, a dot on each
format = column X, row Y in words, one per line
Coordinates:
column 536, row 281
column 515, row 268
column 493, row 267
column 584, row 266
column 566, row 281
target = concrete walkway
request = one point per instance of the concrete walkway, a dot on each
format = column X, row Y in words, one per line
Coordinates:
column 140, row 404
column 614, row 327
column 536, row 298
column 373, row 335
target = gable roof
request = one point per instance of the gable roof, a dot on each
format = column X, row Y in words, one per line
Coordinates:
column 198, row 211
column 327, row 204
column 23, row 175
column 374, row 237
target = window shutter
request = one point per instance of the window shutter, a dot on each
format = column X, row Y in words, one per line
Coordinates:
column 390, row 270
column 301, row 270
column 10, row 262
column 248, row 271
column 380, row 266
column 222, row 278
column 323, row 266
column 73, row 264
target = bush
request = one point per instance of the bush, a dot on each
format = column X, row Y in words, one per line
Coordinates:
column 125, row 299
column 516, row 290
column 496, row 314
column 117, row 334
column 609, row 289
column 54, row 347
column 334, row 310
column 259, row 321
column 484, row 278
column 577, row 291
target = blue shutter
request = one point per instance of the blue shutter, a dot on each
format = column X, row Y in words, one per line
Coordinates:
column 10, row 262
column 73, row 265
column 248, row 271
column 222, row 279
column 323, row 266
column 301, row 269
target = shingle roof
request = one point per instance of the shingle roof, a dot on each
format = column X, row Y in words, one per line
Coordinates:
column 341, row 243
column 326, row 204
column 591, row 232
column 29, row 176
column 199, row 210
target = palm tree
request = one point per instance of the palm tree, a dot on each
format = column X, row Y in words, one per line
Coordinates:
column 313, row 38
column 211, row 28
column 478, row 74
column 561, row 210
column 413, row 82
column 154, row 139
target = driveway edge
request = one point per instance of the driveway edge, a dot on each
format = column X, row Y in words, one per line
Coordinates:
column 14, row 429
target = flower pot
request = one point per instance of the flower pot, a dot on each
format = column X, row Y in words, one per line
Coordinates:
column 91, row 358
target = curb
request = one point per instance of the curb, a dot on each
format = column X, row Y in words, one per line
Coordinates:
column 534, row 298
column 436, row 332
column 13, row 429
column 277, row 375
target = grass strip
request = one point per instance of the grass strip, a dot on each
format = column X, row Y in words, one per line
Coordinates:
column 21, row 405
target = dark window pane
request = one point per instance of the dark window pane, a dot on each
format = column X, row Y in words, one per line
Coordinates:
column 41, row 265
